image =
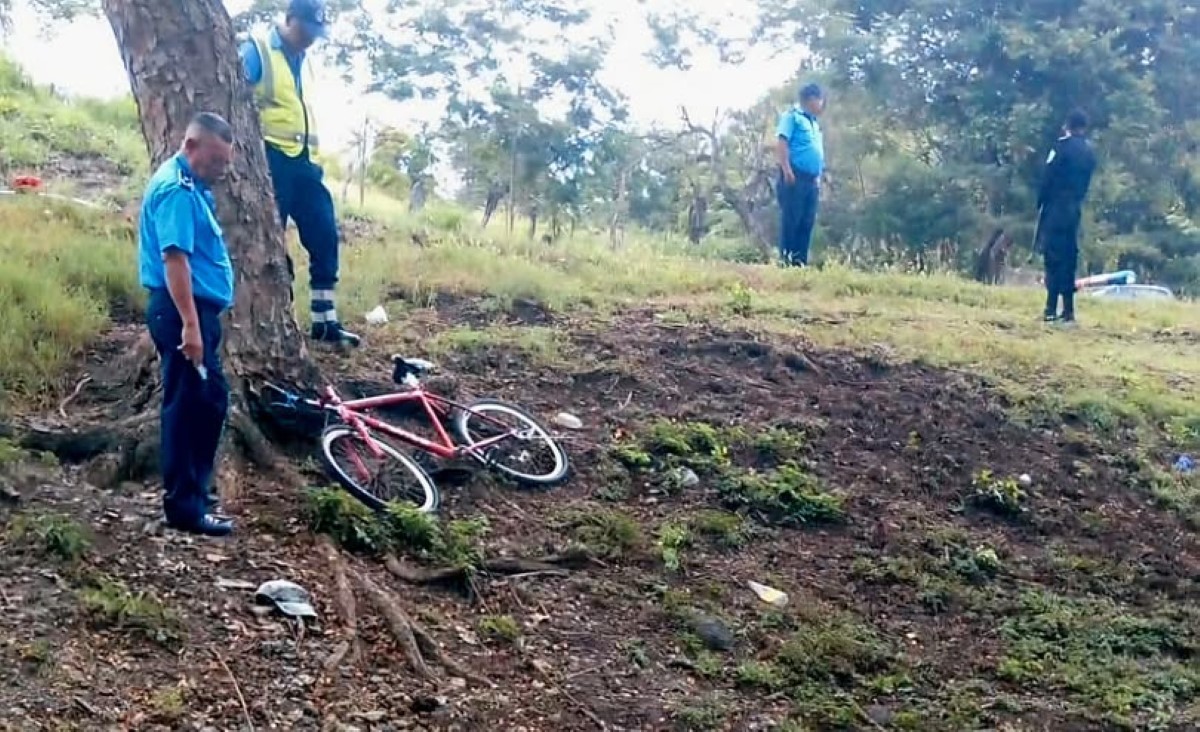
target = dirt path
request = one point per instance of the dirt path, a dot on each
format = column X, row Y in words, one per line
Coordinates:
column 918, row 611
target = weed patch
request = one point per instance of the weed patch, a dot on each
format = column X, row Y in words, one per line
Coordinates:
column 1134, row 670
column 787, row 496
column 110, row 603
column 401, row 528
column 500, row 628
column 52, row 535
column 606, row 532
column 1003, row 496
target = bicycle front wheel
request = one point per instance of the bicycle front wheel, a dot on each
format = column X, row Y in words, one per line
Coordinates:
column 529, row 455
column 377, row 473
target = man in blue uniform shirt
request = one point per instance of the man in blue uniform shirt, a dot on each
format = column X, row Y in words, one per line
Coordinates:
column 185, row 266
column 800, row 151
column 1064, row 188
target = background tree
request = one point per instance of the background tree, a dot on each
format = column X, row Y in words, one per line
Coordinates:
column 984, row 88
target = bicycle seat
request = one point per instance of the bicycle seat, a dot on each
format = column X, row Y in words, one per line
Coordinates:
column 405, row 369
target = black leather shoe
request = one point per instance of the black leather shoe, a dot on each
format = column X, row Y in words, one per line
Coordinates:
column 334, row 333
column 208, row 525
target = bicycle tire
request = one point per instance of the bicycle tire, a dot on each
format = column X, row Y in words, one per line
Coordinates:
column 562, row 469
column 333, row 433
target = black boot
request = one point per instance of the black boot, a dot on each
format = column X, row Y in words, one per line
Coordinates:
column 333, row 332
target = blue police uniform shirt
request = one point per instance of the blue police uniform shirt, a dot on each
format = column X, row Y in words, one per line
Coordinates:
column 806, row 148
column 179, row 212
column 253, row 64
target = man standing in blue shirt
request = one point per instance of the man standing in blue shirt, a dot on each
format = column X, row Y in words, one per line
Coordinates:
column 185, row 266
column 276, row 67
column 800, row 151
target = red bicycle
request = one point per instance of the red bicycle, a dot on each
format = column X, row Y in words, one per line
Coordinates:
column 350, row 450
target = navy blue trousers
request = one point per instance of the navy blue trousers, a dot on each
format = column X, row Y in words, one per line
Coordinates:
column 302, row 197
column 798, row 204
column 193, row 408
column 1060, row 244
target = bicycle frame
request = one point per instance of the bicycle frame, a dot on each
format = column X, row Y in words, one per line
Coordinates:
column 352, row 413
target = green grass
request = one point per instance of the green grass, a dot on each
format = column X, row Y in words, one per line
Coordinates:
column 36, row 125
column 64, row 268
column 1129, row 366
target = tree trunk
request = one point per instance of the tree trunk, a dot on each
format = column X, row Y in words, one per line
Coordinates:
column 181, row 59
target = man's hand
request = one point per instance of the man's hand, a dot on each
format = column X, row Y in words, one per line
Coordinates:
column 789, row 175
column 192, row 344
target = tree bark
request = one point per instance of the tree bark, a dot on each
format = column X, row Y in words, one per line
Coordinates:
column 181, row 59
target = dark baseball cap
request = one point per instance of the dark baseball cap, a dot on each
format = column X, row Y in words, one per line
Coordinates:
column 311, row 14
column 811, row 91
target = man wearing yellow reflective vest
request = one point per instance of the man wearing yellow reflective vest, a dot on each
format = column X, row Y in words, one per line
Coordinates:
column 275, row 66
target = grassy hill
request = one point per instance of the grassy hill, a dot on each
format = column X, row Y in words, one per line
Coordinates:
column 858, row 441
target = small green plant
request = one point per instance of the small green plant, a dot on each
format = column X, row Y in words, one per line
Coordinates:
column 787, row 496
column 633, row 457
column 109, row 603
column 606, row 532
column 673, row 538
column 706, row 716
column 348, row 522
column 408, row 528
column 462, row 542
column 37, row 653
column 1001, row 495
column 727, row 530
column 53, row 535
column 696, row 444
column 741, row 300
column 760, row 675
column 834, row 650
column 500, row 627
column 168, row 704
column 779, row 445
column 977, row 565
column 10, row 453
column 400, row 527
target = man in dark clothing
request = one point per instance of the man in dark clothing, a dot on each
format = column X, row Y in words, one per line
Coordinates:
column 1065, row 183
column 277, row 67
column 800, row 152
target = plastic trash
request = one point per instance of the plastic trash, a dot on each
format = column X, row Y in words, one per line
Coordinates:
column 1185, row 464
column 377, row 316
column 769, row 595
column 568, row 421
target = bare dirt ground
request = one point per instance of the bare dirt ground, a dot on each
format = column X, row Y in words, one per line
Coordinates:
column 918, row 609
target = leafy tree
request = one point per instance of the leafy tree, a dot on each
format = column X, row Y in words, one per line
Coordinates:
column 987, row 86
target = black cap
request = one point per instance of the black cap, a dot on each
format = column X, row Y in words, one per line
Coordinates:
column 811, row 91
column 1077, row 120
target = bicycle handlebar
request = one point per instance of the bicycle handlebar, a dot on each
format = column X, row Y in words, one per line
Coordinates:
column 290, row 399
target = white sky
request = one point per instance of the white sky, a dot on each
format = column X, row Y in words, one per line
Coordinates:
column 92, row 67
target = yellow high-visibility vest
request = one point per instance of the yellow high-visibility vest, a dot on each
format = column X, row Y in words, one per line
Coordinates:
column 288, row 122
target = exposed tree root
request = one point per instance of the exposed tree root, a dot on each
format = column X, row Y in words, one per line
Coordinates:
column 430, row 648
column 415, row 641
column 398, row 623
column 574, row 559
column 346, row 608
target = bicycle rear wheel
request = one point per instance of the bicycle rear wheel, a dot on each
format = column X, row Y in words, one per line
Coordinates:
column 531, row 456
column 376, row 479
